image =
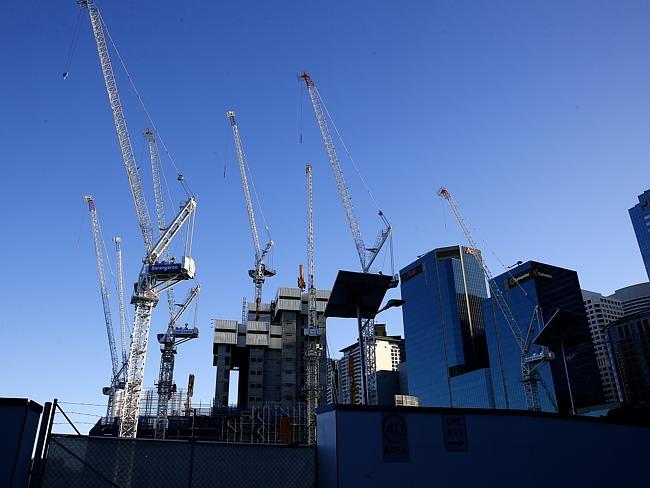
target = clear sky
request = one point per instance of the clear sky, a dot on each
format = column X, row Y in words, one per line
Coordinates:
column 534, row 114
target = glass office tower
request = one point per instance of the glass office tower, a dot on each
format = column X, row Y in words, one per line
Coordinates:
column 444, row 329
column 551, row 288
column 640, row 216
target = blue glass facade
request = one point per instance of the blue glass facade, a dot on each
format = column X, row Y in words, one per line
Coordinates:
column 551, row 288
column 444, row 331
column 640, row 216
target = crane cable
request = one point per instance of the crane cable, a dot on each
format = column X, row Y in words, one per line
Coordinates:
column 73, row 45
column 345, row 147
column 181, row 178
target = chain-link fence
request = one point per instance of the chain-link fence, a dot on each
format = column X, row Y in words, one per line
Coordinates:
column 79, row 461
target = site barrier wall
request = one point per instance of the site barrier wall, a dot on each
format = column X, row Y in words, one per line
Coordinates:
column 80, row 461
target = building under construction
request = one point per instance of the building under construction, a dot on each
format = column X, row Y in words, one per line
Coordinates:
column 269, row 352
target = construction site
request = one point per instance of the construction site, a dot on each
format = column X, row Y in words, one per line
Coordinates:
column 287, row 409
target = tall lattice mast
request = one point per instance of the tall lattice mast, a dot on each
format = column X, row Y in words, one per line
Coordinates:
column 99, row 256
column 260, row 272
column 313, row 346
column 530, row 362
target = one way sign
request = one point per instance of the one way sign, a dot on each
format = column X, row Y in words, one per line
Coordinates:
column 455, row 432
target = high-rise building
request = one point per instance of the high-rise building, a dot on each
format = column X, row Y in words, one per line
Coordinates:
column 553, row 290
column 602, row 311
column 444, row 329
column 633, row 298
column 268, row 352
column 640, row 216
column 628, row 340
column 332, row 394
column 388, row 355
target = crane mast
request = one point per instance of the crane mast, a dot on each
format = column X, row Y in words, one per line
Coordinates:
column 120, row 294
column 260, row 272
column 530, row 362
column 124, row 139
column 97, row 241
column 367, row 255
column 313, row 346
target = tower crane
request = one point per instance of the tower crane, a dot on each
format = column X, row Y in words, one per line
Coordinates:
column 260, row 271
column 530, row 361
column 313, row 346
column 155, row 277
column 97, row 241
column 120, row 295
column 169, row 340
column 367, row 255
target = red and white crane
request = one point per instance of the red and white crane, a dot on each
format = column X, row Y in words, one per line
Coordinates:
column 367, row 255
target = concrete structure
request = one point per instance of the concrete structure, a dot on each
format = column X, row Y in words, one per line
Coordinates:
column 552, row 289
column 628, row 341
column 269, row 352
column 633, row 298
column 444, row 328
column 640, row 217
column 389, row 353
column 602, row 311
column 406, row 446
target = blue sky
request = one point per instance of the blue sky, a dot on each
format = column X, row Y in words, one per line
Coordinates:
column 535, row 116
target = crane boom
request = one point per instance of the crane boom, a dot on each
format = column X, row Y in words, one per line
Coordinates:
column 99, row 256
column 160, row 204
column 124, row 139
column 120, row 294
column 342, row 187
column 530, row 361
column 260, row 272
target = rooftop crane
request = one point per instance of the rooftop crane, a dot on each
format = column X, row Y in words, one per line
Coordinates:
column 367, row 255
column 313, row 347
column 154, row 277
column 169, row 340
column 97, row 241
column 530, row 361
column 260, row 272
column 120, row 294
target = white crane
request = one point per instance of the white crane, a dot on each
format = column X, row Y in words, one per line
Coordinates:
column 260, row 271
column 99, row 256
column 367, row 255
column 173, row 337
column 154, row 277
column 313, row 346
column 121, row 304
column 530, row 362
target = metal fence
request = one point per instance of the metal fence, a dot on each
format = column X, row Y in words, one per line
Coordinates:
column 80, row 461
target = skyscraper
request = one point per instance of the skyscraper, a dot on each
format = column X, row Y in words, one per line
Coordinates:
column 640, row 216
column 633, row 298
column 552, row 289
column 444, row 291
column 602, row 311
